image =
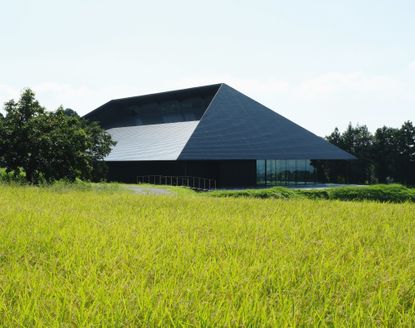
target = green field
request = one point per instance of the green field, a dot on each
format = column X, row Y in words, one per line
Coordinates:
column 111, row 258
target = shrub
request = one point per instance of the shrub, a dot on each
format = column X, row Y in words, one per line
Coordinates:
column 382, row 193
column 276, row 193
column 9, row 177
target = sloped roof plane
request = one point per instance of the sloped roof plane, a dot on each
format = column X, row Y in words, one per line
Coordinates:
column 217, row 123
column 155, row 142
column 236, row 127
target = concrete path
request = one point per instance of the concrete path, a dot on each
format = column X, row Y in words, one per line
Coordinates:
column 149, row 190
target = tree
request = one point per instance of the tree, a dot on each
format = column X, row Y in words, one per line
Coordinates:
column 51, row 145
column 385, row 154
column 1, row 149
column 357, row 141
column 406, row 150
column 70, row 112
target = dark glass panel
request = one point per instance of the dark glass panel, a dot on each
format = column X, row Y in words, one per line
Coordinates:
column 260, row 172
column 291, row 167
column 281, row 171
column 270, row 172
column 285, row 172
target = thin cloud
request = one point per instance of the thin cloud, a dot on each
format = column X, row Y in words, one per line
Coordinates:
column 335, row 84
column 7, row 92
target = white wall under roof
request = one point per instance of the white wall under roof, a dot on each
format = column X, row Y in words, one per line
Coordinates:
column 156, row 142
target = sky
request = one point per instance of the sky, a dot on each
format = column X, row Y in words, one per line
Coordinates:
column 319, row 63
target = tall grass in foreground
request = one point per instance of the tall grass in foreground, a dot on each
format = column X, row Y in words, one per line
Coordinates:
column 118, row 259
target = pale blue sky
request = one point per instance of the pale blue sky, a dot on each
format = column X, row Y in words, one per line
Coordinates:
column 319, row 63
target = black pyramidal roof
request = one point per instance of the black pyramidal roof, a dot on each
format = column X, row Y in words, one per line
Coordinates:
column 227, row 125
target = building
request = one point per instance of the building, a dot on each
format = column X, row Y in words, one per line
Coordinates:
column 210, row 132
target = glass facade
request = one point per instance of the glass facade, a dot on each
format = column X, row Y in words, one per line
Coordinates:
column 285, row 172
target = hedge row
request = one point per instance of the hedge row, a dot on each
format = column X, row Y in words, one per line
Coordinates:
column 393, row 193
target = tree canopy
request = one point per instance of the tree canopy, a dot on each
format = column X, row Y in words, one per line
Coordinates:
column 48, row 146
column 388, row 155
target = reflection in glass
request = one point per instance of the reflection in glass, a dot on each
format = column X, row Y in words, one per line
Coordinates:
column 260, row 172
column 285, row 172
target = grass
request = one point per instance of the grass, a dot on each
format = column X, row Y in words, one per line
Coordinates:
column 393, row 193
column 86, row 258
column 177, row 190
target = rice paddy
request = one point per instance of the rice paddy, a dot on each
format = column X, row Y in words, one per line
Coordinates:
column 111, row 258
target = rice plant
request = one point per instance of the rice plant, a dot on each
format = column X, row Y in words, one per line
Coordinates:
column 87, row 258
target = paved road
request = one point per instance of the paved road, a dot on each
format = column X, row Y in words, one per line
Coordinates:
column 149, row 190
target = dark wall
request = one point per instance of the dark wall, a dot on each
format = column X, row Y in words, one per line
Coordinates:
column 226, row 173
column 237, row 173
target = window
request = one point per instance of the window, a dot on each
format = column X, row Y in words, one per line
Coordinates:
column 285, row 172
column 260, row 172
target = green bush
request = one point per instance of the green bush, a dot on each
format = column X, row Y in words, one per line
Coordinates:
column 381, row 193
column 315, row 193
column 6, row 177
column 384, row 193
column 276, row 193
